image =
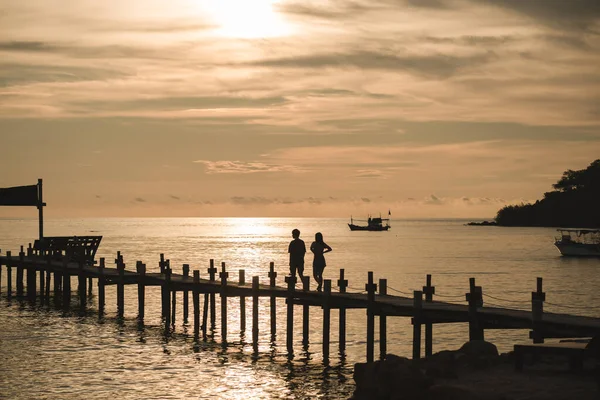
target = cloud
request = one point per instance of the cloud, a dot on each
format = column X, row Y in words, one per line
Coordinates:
column 429, row 65
column 12, row 74
column 139, row 200
column 240, row 167
column 174, row 197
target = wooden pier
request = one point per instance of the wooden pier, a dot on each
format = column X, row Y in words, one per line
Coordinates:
column 54, row 275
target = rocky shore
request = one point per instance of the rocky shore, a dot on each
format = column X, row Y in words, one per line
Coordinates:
column 474, row 372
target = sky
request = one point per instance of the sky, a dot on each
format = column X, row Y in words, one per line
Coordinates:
column 426, row 108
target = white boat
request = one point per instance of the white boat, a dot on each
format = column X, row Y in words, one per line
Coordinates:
column 579, row 242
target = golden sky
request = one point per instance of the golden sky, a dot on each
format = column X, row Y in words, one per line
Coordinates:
column 430, row 108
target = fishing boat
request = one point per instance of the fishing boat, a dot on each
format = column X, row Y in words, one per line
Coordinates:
column 373, row 224
column 578, row 242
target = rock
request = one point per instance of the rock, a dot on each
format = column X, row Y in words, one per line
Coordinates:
column 394, row 378
column 479, row 353
column 450, row 392
column 441, row 365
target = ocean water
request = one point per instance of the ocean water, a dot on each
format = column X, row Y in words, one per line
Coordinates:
column 56, row 354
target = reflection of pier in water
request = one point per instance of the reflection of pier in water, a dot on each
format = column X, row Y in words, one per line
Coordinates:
column 423, row 312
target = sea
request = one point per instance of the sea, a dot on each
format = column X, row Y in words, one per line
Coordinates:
column 49, row 353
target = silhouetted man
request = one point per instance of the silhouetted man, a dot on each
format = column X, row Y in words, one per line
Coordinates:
column 297, row 249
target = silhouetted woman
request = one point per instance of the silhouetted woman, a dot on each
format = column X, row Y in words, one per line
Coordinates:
column 319, row 248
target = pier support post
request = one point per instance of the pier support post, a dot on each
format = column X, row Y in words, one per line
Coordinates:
column 31, row 280
column 20, row 273
column 212, row 271
column 48, row 274
column 326, row 319
column 429, row 291
column 475, row 299
column 255, row 291
column 242, row 282
column 273, row 301
column 42, row 284
column 8, row 275
column 173, row 306
column 66, row 286
column 101, row 291
column 371, row 288
column 162, row 263
column 305, row 312
column 416, row 323
column 223, row 275
column 121, row 288
column 81, row 289
column 342, row 284
column 196, row 300
column 291, row 287
column 141, row 270
column 186, row 275
column 58, row 278
column 382, row 322
column 90, row 284
column 537, row 312
column 166, row 297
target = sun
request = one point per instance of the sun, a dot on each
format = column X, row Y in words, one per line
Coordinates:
column 246, row 18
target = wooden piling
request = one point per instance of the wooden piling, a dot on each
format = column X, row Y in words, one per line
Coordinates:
column 161, row 263
column 429, row 291
column 475, row 299
column 173, row 306
column 166, row 297
column 342, row 285
column 20, row 285
column 42, row 285
column 46, row 295
column 121, row 288
column 66, row 286
column 273, row 301
column 141, row 270
column 382, row 322
column 81, row 283
column 242, row 282
column 291, row 286
column 8, row 275
column 196, row 301
column 101, row 291
column 326, row 318
column 223, row 275
column 212, row 271
column 90, row 284
column 305, row 312
column 186, row 274
column 416, row 323
column 371, row 288
column 31, row 280
column 255, row 292
column 537, row 312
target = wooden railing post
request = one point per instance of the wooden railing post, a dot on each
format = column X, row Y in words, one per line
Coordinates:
column 196, row 300
column 273, row 301
column 101, row 282
column 537, row 312
column 255, row 292
column 475, row 299
column 141, row 270
column 223, row 275
column 212, row 271
column 371, row 288
column 305, row 312
column 291, row 287
column 326, row 318
column 416, row 322
column 20, row 263
column 242, row 282
column 429, row 291
column 382, row 322
column 186, row 274
column 342, row 284
column 8, row 275
column 121, row 288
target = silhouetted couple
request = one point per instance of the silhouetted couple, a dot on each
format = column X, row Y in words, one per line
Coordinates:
column 297, row 249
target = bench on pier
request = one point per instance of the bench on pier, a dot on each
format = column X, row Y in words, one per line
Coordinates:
column 74, row 248
column 576, row 352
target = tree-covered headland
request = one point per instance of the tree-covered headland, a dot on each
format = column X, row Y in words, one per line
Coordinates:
column 574, row 202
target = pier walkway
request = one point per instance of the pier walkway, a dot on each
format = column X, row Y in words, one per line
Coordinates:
column 423, row 310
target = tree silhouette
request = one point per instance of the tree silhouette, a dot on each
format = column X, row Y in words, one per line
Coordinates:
column 574, row 203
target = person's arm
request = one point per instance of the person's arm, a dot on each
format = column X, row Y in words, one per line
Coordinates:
column 312, row 247
column 327, row 248
column 290, row 247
